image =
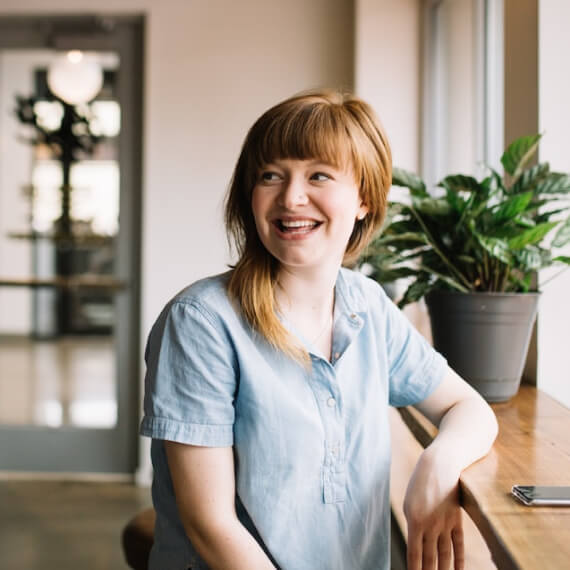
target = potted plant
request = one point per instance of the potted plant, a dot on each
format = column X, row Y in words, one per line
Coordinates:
column 472, row 248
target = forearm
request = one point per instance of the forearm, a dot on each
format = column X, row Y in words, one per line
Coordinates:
column 467, row 429
column 228, row 546
column 466, row 433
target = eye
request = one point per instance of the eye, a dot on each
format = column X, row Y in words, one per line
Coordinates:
column 320, row 177
column 269, row 176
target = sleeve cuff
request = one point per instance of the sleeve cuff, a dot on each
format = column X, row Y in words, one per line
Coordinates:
column 192, row 434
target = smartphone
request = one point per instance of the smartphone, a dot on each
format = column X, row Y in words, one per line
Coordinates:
column 537, row 495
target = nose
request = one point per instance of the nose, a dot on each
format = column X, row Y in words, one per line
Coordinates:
column 293, row 193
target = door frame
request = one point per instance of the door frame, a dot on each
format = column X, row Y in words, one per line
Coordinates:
column 93, row 450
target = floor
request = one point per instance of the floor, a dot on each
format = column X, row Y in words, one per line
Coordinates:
column 47, row 525
column 51, row 524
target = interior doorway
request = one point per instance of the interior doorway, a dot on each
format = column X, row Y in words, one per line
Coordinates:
column 70, row 211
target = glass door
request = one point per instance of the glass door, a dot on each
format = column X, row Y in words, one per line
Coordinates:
column 69, row 235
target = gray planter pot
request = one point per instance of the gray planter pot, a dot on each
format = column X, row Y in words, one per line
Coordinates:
column 485, row 337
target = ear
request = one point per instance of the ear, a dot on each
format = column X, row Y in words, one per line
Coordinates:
column 362, row 212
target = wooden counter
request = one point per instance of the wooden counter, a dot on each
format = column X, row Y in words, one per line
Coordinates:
column 533, row 448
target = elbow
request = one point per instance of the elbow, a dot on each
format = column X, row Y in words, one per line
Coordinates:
column 208, row 536
column 494, row 426
column 488, row 424
column 199, row 532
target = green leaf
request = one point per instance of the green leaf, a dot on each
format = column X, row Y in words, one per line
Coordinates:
column 397, row 209
column 562, row 236
column 511, row 207
column 525, row 221
column 496, row 247
column 416, row 290
column 533, row 258
column 530, row 236
column 545, row 216
column 519, row 153
column 446, row 279
column 432, row 206
column 401, row 177
column 414, row 237
column 562, row 259
column 456, row 202
column 526, row 282
column 507, row 231
column 555, row 183
column 496, row 182
column 388, row 275
column 402, row 225
column 520, row 285
column 531, row 178
column 461, row 183
column 467, row 259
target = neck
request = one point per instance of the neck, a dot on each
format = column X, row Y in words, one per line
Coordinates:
column 306, row 292
column 307, row 302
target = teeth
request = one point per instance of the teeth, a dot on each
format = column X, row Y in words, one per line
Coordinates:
column 298, row 224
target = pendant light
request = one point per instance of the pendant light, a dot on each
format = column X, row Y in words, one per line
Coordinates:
column 74, row 77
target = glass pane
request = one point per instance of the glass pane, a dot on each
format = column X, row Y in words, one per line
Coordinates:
column 59, row 216
column 454, row 111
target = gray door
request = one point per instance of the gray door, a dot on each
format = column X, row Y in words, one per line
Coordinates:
column 70, row 210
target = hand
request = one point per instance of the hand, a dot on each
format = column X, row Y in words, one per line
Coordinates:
column 433, row 514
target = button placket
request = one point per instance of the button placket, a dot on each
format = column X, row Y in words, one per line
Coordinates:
column 329, row 400
column 334, row 473
column 335, row 476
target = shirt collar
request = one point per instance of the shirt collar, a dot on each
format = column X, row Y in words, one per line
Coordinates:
column 348, row 299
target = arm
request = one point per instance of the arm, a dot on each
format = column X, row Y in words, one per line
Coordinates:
column 467, row 429
column 204, row 485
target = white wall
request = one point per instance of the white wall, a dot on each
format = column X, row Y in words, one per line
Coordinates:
column 554, row 121
column 387, row 71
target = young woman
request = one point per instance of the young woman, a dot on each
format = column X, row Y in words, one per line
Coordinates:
column 267, row 387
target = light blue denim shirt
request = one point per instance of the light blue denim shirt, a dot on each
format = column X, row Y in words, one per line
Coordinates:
column 311, row 446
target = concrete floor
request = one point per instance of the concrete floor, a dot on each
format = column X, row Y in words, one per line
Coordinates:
column 46, row 525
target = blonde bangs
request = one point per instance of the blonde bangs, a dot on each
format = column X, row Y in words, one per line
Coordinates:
column 314, row 131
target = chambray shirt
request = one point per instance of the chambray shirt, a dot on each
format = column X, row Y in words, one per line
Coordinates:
column 311, row 444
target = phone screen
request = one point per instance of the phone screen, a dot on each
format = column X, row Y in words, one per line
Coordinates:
column 542, row 495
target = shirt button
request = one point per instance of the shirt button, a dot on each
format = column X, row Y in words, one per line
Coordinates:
column 336, row 355
column 331, row 402
column 353, row 316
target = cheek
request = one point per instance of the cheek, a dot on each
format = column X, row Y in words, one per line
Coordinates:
column 257, row 205
column 346, row 207
column 260, row 204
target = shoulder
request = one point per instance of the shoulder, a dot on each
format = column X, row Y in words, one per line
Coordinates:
column 205, row 300
column 210, row 293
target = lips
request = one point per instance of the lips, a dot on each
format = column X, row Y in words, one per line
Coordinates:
column 296, row 226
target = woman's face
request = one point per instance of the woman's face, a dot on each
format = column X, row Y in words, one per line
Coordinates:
column 305, row 211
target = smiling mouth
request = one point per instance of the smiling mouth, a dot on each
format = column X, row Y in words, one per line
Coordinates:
column 296, row 226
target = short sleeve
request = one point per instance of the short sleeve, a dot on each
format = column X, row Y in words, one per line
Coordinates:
column 191, row 378
column 415, row 368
